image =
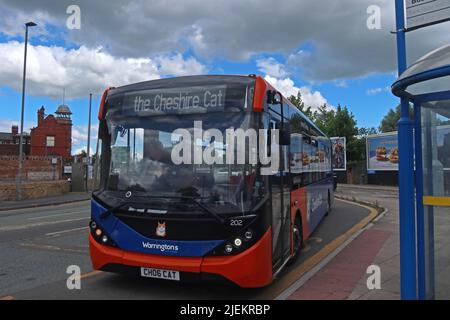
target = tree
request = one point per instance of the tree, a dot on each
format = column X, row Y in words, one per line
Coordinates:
column 298, row 102
column 336, row 123
column 339, row 122
column 356, row 148
column 389, row 122
column 364, row 132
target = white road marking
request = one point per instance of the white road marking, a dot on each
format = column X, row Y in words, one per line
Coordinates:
column 50, row 247
column 39, row 224
column 65, row 231
column 56, row 215
column 52, row 206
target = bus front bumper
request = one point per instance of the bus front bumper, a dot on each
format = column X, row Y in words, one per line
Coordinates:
column 249, row 269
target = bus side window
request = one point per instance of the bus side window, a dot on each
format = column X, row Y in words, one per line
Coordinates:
column 296, row 160
column 306, row 158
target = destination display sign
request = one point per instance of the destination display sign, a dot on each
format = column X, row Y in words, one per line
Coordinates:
column 174, row 101
column 421, row 13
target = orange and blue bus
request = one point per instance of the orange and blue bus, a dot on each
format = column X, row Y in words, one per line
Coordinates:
column 209, row 209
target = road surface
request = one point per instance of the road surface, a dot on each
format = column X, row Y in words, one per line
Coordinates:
column 38, row 244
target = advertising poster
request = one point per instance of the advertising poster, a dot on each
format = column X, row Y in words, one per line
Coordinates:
column 443, row 146
column 339, row 160
column 382, row 151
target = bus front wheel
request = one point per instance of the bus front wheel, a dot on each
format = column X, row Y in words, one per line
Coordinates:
column 298, row 240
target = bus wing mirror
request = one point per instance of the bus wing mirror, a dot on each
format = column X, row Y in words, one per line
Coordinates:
column 285, row 137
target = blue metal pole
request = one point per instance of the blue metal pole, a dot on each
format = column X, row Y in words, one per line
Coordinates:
column 421, row 272
column 430, row 209
column 406, row 174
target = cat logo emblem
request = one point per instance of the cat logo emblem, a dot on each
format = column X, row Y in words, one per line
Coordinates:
column 161, row 229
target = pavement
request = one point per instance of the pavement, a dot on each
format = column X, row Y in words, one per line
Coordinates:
column 346, row 275
column 46, row 201
column 38, row 244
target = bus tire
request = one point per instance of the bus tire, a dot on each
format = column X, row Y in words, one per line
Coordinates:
column 298, row 240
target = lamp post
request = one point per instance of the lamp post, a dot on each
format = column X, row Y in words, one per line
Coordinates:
column 19, row 187
column 88, row 142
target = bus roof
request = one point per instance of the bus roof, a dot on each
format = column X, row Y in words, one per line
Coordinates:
column 183, row 80
column 201, row 80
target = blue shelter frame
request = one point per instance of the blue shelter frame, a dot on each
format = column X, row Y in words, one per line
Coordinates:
column 413, row 86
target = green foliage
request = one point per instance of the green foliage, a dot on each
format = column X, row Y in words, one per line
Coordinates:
column 339, row 122
column 336, row 123
column 389, row 122
column 298, row 102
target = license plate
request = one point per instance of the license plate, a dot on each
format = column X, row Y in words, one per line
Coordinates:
column 160, row 274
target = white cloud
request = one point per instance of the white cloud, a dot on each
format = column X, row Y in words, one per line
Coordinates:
column 83, row 70
column 176, row 65
column 6, row 124
column 80, row 134
column 333, row 36
column 79, row 150
column 272, row 68
column 378, row 90
column 341, row 83
column 287, row 87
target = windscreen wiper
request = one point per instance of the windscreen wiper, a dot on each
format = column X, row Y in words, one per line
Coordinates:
column 128, row 201
column 206, row 209
column 110, row 211
column 194, row 200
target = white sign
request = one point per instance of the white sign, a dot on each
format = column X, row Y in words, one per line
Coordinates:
column 67, row 169
column 176, row 100
column 421, row 13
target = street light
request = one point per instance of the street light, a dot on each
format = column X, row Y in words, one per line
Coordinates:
column 19, row 187
column 88, row 142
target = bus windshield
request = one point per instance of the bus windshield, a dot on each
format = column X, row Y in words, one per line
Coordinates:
column 142, row 160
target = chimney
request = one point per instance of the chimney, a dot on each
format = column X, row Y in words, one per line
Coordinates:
column 15, row 130
column 40, row 115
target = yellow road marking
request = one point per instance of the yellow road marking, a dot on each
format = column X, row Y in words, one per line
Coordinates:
column 90, row 274
column 7, row 298
column 283, row 283
column 436, row 201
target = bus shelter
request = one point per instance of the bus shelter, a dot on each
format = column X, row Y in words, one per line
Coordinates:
column 426, row 85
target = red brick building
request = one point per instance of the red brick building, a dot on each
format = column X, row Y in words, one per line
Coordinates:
column 9, row 142
column 53, row 134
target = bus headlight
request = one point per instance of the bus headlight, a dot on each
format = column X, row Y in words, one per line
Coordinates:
column 99, row 235
column 237, row 242
column 248, row 234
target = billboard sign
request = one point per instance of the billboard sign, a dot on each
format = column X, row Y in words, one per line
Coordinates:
column 422, row 13
column 382, row 151
column 339, row 159
column 443, row 146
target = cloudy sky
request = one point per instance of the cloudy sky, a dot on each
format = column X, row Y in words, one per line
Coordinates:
column 323, row 49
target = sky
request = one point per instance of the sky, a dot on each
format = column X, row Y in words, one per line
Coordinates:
column 323, row 49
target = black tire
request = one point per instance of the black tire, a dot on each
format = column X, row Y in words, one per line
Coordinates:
column 298, row 241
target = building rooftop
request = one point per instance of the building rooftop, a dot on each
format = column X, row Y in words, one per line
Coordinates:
column 63, row 109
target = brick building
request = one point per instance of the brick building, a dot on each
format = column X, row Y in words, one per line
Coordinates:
column 53, row 134
column 9, row 142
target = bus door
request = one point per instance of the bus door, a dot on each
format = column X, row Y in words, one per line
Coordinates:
column 280, row 188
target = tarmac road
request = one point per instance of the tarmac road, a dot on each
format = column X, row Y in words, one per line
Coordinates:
column 38, row 244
